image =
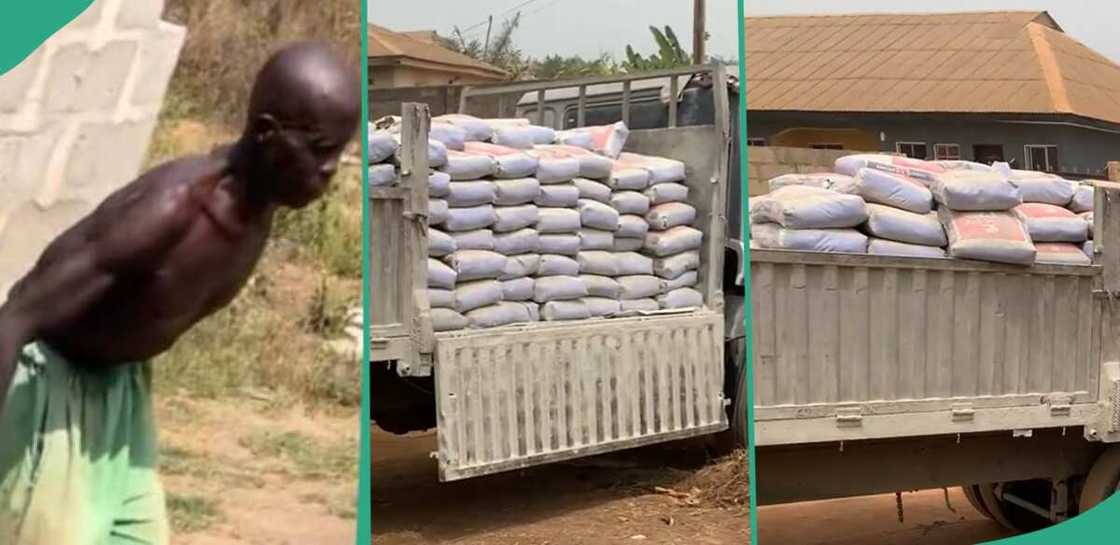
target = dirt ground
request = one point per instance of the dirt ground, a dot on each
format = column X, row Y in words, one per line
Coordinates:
column 252, row 473
column 608, row 499
column 873, row 520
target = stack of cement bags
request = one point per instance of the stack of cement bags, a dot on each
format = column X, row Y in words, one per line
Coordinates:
column 900, row 217
column 808, row 218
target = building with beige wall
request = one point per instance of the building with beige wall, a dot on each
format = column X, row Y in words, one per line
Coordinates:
column 416, row 59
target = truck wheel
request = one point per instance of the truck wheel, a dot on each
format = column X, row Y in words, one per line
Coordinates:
column 737, row 349
column 1103, row 480
column 1012, row 516
column 972, row 494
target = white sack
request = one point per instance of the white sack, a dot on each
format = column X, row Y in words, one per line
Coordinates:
column 591, row 165
column 902, row 226
column 1042, row 187
column 630, row 202
column 601, row 286
column 476, row 264
column 499, row 315
column 607, row 139
column 445, row 319
column 1052, row 223
column 558, row 196
column 774, row 237
column 518, row 289
column 595, row 239
column 468, row 194
column 440, row 298
column 440, row 243
column 439, row 184
column 523, row 137
column 511, row 163
column 803, row 207
column 590, row 189
column 516, row 191
column 477, row 130
column 558, row 220
column 666, row 193
column 640, row 305
column 640, row 286
column 839, row 183
column 631, row 226
column 970, row 190
column 481, row 293
column 1088, row 217
column 633, row 263
column 597, row 263
column 879, row 246
column 597, row 215
column 1061, row 253
column 625, row 178
column 558, row 288
column 513, row 218
column 894, row 189
column 672, row 214
column 674, row 266
column 440, row 275
column 449, row 135
column 661, row 169
column 469, row 166
column 557, row 265
column 963, row 165
column 579, row 139
column 1083, row 198
column 521, row 241
column 469, row 219
column 520, row 266
column 988, row 236
column 915, row 168
column 557, row 171
column 382, row 145
column 681, row 298
column 562, row 244
column 438, row 212
column 601, row 306
column 564, row 310
column 628, row 244
column 673, row 241
column 686, row 280
column 382, row 175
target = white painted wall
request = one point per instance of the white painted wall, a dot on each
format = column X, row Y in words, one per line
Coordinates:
column 75, row 120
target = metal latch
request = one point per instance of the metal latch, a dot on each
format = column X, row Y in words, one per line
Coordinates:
column 849, row 417
column 963, row 412
column 1060, row 404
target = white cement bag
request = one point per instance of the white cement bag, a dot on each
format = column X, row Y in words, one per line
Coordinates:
column 774, row 237
column 1052, row 223
column 597, row 263
column 640, row 305
column 558, row 220
column 518, row 289
column 803, row 207
column 608, row 139
column 666, row 193
column 499, row 315
column 597, row 215
column 591, row 165
column 594, row 239
column 477, row 294
column 558, row 196
column 1044, row 188
column 879, row 246
column 445, row 319
column 601, row 286
column 628, row 244
column 438, row 155
column 578, row 139
column 558, row 288
column 592, row 190
column 513, row 218
column 523, row 137
column 440, row 243
column 1061, row 253
column 511, row 163
column 640, row 286
column 681, row 298
column 468, row 194
column 686, row 280
column 557, row 171
column 521, row 241
column 477, row 130
column 674, row 266
column 970, row 190
column 476, row 264
column 520, row 266
column 633, row 263
column 669, row 215
column 382, row 145
column 505, row 122
column 625, row 178
column 1087, row 248
column 963, row 165
column 630, row 202
column 914, row 168
column 516, row 192
column 894, row 189
column 1083, row 198
column 554, row 311
column 673, row 241
column 451, row 136
column 382, row 175
column 839, row 183
column 439, row 184
column 469, row 219
column 631, row 226
column 438, row 212
column 988, row 236
column 534, row 310
column 902, row 226
column 469, row 166
column 661, row 169
column 440, row 275
column 557, row 265
column 601, row 306
column 1088, row 217
column 561, row 244
column 438, row 298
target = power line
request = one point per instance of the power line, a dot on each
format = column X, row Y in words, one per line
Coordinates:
column 507, row 12
column 524, row 16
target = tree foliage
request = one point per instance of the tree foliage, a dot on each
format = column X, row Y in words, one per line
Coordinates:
column 669, row 54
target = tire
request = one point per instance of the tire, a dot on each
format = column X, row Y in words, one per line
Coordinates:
column 737, row 351
column 1012, row 516
column 972, row 494
column 1103, row 480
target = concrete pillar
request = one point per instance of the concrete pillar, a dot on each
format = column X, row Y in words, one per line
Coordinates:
column 75, row 120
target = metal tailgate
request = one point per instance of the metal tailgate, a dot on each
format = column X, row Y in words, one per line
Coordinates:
column 520, row 396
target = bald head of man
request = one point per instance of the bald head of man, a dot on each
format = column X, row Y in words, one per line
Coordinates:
column 304, row 108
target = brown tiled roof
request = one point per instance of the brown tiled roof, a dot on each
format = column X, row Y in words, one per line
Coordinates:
column 388, row 48
column 987, row 62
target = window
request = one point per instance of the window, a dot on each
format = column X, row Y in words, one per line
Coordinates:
column 947, row 152
column 913, row 150
column 1042, row 158
column 826, row 146
column 757, row 142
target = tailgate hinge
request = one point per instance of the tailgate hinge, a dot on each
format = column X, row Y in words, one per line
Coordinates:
column 849, row 417
column 963, row 412
column 1060, row 404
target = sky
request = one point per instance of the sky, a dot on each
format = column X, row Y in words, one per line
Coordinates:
column 592, row 27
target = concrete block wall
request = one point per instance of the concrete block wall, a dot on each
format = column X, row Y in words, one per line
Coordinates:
column 770, row 162
column 76, row 118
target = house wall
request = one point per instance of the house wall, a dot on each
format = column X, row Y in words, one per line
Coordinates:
column 1081, row 151
column 765, row 163
column 388, row 77
column 75, row 120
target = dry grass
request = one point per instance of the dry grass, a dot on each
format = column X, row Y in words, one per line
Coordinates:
column 724, row 483
column 228, row 41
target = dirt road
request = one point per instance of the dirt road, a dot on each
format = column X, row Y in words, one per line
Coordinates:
column 873, row 520
column 610, row 499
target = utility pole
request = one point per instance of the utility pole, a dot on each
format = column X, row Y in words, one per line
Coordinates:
column 699, row 35
column 486, row 46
